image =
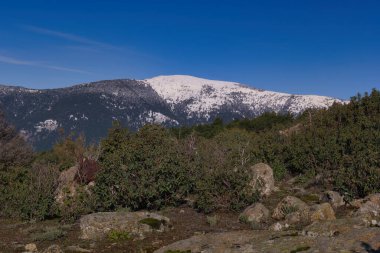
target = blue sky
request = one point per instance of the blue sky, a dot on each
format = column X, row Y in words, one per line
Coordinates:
column 326, row 47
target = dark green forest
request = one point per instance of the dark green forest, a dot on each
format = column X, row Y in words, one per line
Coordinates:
column 157, row 167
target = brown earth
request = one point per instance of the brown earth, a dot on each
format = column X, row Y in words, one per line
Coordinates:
column 14, row 235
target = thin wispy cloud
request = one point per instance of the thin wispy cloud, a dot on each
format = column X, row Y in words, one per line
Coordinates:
column 84, row 48
column 68, row 36
column 15, row 61
column 87, row 44
column 10, row 60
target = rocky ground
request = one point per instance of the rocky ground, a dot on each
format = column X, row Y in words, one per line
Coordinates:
column 291, row 217
column 185, row 222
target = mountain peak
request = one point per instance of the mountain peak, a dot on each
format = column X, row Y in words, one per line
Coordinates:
column 175, row 88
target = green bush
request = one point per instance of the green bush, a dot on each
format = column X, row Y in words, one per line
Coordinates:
column 29, row 193
column 354, row 182
column 222, row 168
column 341, row 144
column 13, row 192
column 40, row 197
column 146, row 170
column 82, row 202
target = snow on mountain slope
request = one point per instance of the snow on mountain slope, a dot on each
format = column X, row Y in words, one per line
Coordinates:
column 177, row 88
column 200, row 96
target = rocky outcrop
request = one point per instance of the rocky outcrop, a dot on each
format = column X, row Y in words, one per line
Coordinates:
column 322, row 212
column 98, row 226
column 291, row 130
column 292, row 213
column 78, row 249
column 53, row 249
column 298, row 218
column 345, row 235
column 369, row 206
column 237, row 242
column 334, row 227
column 262, row 179
column 279, row 226
column 334, row 198
column 257, row 213
column 31, row 247
column 287, row 206
column 66, row 184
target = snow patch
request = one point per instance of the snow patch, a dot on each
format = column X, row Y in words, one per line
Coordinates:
column 48, row 125
column 32, row 91
column 157, row 118
column 83, row 117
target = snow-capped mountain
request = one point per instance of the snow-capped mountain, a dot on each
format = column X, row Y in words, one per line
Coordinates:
column 169, row 100
column 200, row 98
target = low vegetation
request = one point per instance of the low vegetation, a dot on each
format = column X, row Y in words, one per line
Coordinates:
column 49, row 234
column 212, row 220
column 116, row 235
column 300, row 249
column 209, row 164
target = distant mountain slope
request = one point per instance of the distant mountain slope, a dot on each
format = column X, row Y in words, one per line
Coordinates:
column 170, row 100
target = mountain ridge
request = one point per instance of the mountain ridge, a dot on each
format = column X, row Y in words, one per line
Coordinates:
column 12, row 86
column 169, row 100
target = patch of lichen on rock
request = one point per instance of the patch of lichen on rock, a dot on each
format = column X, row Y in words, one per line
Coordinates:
column 152, row 222
column 116, row 235
column 310, row 198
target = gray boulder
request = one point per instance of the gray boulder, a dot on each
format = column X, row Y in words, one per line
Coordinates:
column 66, row 185
column 322, row 212
column 298, row 218
column 257, row 213
column 53, row 249
column 369, row 206
column 287, row 206
column 334, row 198
column 31, row 247
column 262, row 179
